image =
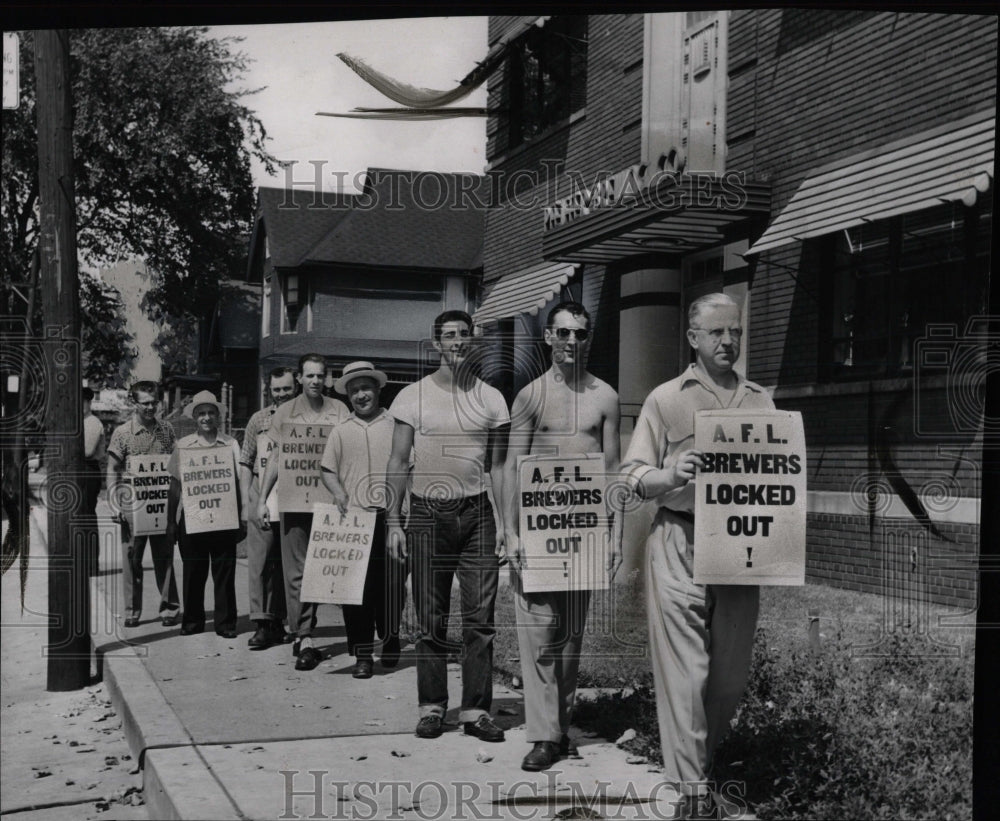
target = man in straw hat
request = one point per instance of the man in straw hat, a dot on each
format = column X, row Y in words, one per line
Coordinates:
column 354, row 471
column 214, row 547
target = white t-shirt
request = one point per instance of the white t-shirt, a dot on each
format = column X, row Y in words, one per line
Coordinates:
column 450, row 433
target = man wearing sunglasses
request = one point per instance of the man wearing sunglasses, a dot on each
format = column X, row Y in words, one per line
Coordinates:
column 565, row 412
column 700, row 636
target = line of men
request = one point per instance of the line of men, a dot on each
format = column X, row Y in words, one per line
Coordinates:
column 438, row 441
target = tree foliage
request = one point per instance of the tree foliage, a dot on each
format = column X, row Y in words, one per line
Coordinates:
column 108, row 349
column 163, row 145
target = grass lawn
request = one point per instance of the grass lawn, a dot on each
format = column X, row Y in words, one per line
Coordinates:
column 876, row 722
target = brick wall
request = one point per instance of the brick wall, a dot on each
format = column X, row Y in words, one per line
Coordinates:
column 894, row 557
column 806, row 88
column 605, row 137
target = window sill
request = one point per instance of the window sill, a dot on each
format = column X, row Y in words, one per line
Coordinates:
column 858, row 387
column 553, row 129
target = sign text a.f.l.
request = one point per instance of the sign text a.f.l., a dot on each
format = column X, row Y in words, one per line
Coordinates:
column 750, row 508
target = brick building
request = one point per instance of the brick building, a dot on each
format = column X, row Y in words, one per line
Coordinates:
column 833, row 171
column 362, row 276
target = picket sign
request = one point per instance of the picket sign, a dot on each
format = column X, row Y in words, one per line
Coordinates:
column 208, row 489
column 150, row 490
column 563, row 523
column 750, row 508
column 337, row 557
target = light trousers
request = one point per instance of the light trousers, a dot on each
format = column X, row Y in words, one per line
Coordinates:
column 550, row 629
column 701, row 643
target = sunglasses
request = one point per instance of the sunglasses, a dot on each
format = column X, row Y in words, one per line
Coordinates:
column 564, row 333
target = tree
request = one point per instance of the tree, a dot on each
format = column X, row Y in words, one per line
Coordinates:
column 108, row 352
column 163, row 145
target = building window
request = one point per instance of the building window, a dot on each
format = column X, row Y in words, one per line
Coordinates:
column 547, row 77
column 296, row 308
column 887, row 281
column 265, row 309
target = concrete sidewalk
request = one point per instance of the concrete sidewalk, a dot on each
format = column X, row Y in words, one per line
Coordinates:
column 223, row 732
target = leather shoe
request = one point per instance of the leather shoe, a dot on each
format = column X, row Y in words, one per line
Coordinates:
column 362, row 668
column 484, row 729
column 542, row 756
column 169, row 621
column 390, row 652
column 567, row 747
column 308, row 659
column 191, row 629
column 261, row 639
column 429, row 726
column 227, row 633
column 131, row 622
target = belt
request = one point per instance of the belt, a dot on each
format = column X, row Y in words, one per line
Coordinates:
column 450, row 504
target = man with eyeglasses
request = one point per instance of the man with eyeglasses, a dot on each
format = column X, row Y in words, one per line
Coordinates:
column 700, row 636
column 142, row 434
column 453, row 422
column 565, row 412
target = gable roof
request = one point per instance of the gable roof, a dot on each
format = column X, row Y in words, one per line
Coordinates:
column 411, row 219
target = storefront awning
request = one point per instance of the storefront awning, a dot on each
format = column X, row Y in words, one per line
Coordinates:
column 946, row 164
column 676, row 214
column 524, row 292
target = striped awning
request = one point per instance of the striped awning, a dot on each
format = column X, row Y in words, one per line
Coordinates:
column 524, row 292
column 946, row 164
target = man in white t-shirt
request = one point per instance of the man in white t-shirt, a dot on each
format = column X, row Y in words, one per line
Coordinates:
column 453, row 422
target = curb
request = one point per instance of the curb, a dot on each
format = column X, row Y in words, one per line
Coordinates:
column 178, row 784
column 176, row 781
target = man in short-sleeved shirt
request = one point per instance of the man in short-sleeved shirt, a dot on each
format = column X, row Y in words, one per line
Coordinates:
column 354, row 472
column 701, row 636
column 310, row 406
column 265, row 578
column 141, row 435
column 453, row 422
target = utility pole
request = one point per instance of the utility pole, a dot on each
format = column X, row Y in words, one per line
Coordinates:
column 68, row 584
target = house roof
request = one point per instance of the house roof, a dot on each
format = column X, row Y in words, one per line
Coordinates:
column 411, row 219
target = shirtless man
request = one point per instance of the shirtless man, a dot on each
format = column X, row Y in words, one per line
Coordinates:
column 565, row 412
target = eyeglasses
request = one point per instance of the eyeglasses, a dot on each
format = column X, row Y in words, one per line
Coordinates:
column 718, row 333
column 579, row 333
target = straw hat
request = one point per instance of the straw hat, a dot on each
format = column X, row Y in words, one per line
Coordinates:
column 204, row 398
column 355, row 369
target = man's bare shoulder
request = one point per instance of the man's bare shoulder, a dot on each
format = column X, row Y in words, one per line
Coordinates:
column 601, row 390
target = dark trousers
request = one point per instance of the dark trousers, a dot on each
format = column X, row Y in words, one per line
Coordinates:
column 384, row 597
column 445, row 539
column 199, row 551
column 133, row 548
column 295, row 529
column 265, row 577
